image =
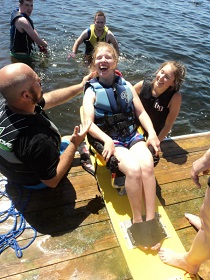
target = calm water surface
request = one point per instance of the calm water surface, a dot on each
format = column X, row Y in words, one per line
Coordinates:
column 148, row 33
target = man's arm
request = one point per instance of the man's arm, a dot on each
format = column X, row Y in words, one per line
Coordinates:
column 111, row 39
column 68, row 155
column 60, row 96
column 79, row 41
column 22, row 24
column 200, row 165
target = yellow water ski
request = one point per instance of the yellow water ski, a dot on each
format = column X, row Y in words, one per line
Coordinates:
column 143, row 265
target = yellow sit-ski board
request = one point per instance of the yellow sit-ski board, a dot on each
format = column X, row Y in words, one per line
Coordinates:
column 143, row 265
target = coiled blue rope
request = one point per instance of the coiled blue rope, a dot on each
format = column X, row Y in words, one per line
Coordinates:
column 9, row 239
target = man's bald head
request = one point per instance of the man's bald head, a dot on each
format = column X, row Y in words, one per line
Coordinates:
column 15, row 79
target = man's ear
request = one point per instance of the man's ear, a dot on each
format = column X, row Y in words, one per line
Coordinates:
column 26, row 95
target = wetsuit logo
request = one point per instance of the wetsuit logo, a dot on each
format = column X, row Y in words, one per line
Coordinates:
column 3, row 144
column 1, row 130
column 158, row 107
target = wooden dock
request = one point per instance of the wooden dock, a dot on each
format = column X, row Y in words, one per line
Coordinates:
column 75, row 239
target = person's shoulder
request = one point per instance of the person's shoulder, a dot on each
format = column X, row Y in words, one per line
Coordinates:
column 22, row 22
column 110, row 33
column 176, row 99
column 85, row 33
column 22, row 19
column 126, row 82
column 176, row 94
column 138, row 86
column 140, row 83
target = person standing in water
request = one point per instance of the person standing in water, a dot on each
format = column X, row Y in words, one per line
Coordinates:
column 23, row 36
column 97, row 32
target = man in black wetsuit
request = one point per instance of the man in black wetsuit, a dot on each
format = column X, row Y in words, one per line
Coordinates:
column 23, row 36
column 30, row 144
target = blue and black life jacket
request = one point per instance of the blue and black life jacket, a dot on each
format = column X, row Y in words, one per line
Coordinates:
column 114, row 110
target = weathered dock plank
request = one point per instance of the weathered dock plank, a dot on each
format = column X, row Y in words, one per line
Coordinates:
column 75, row 239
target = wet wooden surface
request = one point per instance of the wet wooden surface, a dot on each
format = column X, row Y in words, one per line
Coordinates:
column 75, row 239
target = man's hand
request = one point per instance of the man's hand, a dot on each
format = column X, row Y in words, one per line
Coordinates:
column 43, row 49
column 71, row 55
column 88, row 77
column 201, row 165
column 195, row 172
column 79, row 133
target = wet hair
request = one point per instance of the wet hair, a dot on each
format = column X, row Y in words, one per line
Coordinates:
column 179, row 72
column 100, row 45
column 22, row 1
column 99, row 14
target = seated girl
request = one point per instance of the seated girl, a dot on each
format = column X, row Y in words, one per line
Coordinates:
column 112, row 104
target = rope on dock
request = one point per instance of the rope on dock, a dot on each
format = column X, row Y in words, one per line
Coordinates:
column 20, row 224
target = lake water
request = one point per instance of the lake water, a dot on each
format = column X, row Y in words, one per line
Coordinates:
column 149, row 32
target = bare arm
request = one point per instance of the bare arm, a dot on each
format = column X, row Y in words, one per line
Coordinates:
column 200, row 165
column 60, row 96
column 68, row 155
column 138, row 87
column 145, row 121
column 22, row 24
column 111, row 39
column 95, row 131
column 174, row 108
column 79, row 41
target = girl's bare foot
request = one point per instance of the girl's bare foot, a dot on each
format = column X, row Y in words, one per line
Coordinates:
column 194, row 220
column 177, row 260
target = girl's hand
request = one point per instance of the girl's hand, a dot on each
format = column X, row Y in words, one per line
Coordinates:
column 109, row 149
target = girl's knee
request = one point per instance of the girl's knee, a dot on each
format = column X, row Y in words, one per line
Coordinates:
column 148, row 168
column 134, row 172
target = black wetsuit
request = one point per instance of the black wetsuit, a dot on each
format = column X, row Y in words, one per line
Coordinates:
column 156, row 107
column 20, row 42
